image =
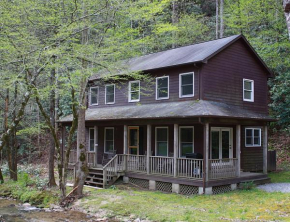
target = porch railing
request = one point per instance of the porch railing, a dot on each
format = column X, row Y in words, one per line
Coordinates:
column 190, row 168
column 223, row 168
column 161, row 165
column 136, row 163
column 90, row 157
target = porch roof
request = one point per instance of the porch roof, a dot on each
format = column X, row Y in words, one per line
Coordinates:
column 197, row 108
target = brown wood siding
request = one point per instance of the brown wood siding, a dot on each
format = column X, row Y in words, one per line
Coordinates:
column 148, row 94
column 251, row 157
column 222, row 78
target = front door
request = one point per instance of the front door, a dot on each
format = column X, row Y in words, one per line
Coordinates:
column 133, row 140
column 221, row 143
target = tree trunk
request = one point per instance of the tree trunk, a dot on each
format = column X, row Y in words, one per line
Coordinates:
column 221, row 18
column 217, row 19
column 286, row 5
column 14, row 144
column 1, row 177
column 51, row 178
column 174, row 21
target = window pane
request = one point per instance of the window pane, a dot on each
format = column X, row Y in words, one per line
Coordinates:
column 91, row 145
column 256, row 140
column 134, row 86
column 225, row 144
column 92, row 133
column 247, row 95
column 109, row 146
column 134, row 95
column 186, row 135
column 187, row 90
column 133, row 137
column 161, row 148
column 94, row 95
column 161, row 134
column 249, row 141
column 187, row 79
column 163, row 92
column 163, row 82
column 186, row 148
column 109, row 134
column 215, row 144
column 110, row 89
column 110, row 98
column 133, row 151
column 247, row 85
column 257, row 132
column 248, row 132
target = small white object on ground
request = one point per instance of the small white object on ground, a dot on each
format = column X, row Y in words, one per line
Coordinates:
column 275, row 187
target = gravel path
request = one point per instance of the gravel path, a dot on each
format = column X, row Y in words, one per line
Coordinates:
column 276, row 187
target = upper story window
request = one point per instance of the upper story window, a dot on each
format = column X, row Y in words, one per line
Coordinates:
column 162, row 87
column 186, row 85
column 94, row 95
column 134, row 91
column 110, row 94
column 253, row 137
column 248, row 90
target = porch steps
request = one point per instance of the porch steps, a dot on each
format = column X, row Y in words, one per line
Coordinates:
column 95, row 178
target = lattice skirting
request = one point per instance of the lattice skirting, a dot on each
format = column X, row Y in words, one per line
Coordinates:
column 221, row 189
column 188, row 190
column 164, row 187
column 139, row 182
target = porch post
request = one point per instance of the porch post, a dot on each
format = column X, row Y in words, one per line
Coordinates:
column 238, row 150
column 265, row 149
column 206, row 151
column 96, row 145
column 175, row 150
column 125, row 151
column 149, row 134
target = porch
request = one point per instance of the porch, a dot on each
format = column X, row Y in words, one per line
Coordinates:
column 207, row 171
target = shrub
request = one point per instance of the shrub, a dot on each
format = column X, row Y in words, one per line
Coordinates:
column 247, row 185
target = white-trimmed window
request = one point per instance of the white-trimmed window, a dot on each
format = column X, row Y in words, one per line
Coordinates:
column 252, row 137
column 109, row 139
column 186, row 140
column 92, row 139
column 134, row 91
column 186, row 84
column 162, row 87
column 161, row 141
column 248, row 90
column 110, row 94
column 94, row 95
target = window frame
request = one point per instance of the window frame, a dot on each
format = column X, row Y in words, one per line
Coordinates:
column 161, row 127
column 252, row 91
column 90, row 98
column 253, row 137
column 179, row 139
column 156, row 88
column 180, row 85
column 108, row 103
column 130, row 91
column 89, row 150
column 105, row 134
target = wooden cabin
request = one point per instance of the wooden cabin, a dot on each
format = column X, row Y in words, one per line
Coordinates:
column 200, row 127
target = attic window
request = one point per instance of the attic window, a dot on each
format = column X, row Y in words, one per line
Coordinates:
column 110, row 94
column 186, row 85
column 94, row 95
column 248, row 90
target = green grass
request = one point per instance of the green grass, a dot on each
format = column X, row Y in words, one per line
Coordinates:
column 238, row 205
column 280, row 177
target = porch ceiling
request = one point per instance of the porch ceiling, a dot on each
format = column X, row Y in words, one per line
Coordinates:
column 183, row 109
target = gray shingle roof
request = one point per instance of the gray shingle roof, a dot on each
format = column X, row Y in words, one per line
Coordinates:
column 183, row 109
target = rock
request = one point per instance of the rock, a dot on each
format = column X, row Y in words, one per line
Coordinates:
column 26, row 205
column 137, row 220
column 53, row 206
